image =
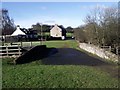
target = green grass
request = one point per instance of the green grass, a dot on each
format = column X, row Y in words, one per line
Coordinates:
column 37, row 75
column 53, row 43
column 61, row 43
column 69, row 34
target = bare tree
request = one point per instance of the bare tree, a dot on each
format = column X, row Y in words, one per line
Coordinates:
column 102, row 26
column 7, row 23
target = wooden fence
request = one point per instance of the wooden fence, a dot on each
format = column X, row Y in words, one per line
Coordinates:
column 8, row 51
column 109, row 48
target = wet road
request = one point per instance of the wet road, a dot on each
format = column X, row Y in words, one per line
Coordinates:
column 70, row 56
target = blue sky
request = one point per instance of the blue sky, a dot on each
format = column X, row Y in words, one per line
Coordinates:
column 64, row 13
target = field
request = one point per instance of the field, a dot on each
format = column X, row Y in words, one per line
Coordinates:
column 38, row 75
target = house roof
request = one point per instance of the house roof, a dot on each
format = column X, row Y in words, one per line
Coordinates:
column 56, row 26
column 18, row 32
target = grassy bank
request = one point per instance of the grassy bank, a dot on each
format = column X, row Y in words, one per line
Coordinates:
column 38, row 75
column 35, row 75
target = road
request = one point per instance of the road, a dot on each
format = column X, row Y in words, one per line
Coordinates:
column 70, row 56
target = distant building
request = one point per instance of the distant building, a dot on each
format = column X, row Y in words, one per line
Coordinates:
column 58, row 32
column 17, row 32
column 22, row 34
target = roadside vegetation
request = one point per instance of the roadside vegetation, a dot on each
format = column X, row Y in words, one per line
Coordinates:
column 101, row 29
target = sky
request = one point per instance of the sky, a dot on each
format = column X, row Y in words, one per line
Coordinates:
column 67, row 14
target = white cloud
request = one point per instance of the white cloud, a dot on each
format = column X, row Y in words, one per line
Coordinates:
column 102, row 6
column 91, row 7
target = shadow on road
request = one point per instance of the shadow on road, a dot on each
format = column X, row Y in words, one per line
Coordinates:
column 36, row 53
column 70, row 56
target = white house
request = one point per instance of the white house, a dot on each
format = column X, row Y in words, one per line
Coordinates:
column 58, row 31
column 18, row 32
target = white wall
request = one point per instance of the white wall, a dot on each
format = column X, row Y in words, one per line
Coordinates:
column 99, row 51
column 56, row 31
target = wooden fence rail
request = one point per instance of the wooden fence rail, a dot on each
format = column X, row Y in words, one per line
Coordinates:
column 109, row 48
column 7, row 51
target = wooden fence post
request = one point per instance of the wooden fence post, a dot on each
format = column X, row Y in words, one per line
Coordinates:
column 110, row 48
column 2, row 43
column 117, row 50
column 19, row 49
column 7, row 50
column 21, row 44
column 31, row 44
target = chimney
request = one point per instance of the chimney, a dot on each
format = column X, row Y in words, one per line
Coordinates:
column 18, row 26
column 56, row 25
